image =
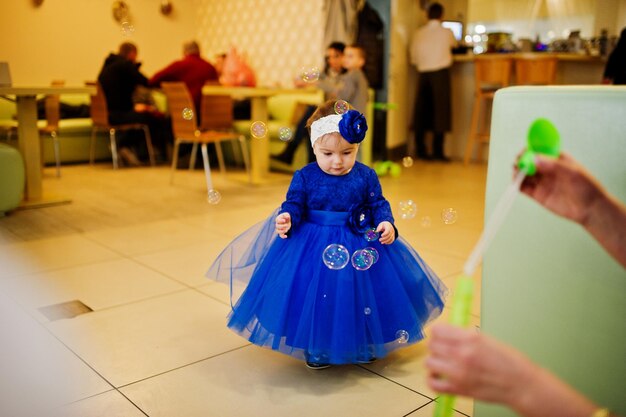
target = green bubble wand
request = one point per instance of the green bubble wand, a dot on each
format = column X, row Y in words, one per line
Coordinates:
column 543, row 138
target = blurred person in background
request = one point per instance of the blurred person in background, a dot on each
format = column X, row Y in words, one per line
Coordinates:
column 193, row 70
column 431, row 53
column 119, row 78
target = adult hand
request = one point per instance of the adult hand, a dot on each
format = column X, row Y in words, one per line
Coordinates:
column 387, row 233
column 468, row 363
column 465, row 362
column 564, row 187
column 283, row 224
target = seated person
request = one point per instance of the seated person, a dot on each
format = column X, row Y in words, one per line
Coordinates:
column 193, row 70
column 233, row 71
column 119, row 77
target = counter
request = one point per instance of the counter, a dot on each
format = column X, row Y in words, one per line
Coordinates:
column 572, row 69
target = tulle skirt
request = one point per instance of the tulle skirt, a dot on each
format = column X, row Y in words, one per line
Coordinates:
column 292, row 302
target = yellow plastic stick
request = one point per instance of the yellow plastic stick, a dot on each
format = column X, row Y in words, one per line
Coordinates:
column 461, row 308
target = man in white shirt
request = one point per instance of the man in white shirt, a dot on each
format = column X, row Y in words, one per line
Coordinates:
column 431, row 53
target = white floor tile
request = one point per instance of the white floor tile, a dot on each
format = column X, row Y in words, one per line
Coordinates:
column 139, row 340
column 148, row 237
column 186, row 264
column 256, row 381
column 406, row 367
column 99, row 285
column 48, row 254
column 38, row 372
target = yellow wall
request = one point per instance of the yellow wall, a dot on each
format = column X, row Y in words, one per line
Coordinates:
column 69, row 39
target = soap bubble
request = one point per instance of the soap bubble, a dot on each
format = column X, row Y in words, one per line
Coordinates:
column 367, row 311
column 127, row 28
column 187, row 113
column 310, row 74
column 341, row 106
column 426, row 222
column 258, row 130
column 407, row 162
column 336, row 256
column 362, row 260
column 408, row 209
column 371, row 235
column 449, row 215
column 402, row 336
column 373, row 252
column 285, row 134
column 214, row 196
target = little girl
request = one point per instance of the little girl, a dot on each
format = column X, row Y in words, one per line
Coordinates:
column 339, row 286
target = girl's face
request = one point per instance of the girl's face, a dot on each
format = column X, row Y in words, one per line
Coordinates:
column 335, row 59
column 335, row 155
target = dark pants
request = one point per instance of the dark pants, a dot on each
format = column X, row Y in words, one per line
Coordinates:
column 432, row 110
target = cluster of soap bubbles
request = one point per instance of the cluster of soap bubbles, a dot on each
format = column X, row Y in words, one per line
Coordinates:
column 258, row 129
column 310, row 74
column 408, row 210
column 187, row 113
column 336, row 257
column 449, row 215
column 214, row 196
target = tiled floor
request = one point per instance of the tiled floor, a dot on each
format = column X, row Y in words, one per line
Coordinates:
column 134, row 249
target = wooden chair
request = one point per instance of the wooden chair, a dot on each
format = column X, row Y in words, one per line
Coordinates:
column 535, row 70
column 217, row 126
column 491, row 72
column 100, row 119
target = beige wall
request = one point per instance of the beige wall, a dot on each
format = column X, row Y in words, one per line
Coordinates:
column 278, row 37
column 69, row 39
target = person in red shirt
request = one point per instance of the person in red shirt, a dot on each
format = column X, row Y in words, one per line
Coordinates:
column 193, row 70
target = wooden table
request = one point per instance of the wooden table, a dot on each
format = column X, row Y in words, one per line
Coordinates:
column 29, row 142
column 259, row 149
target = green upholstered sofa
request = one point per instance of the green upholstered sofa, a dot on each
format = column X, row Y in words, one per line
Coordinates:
column 548, row 288
column 12, row 178
column 74, row 134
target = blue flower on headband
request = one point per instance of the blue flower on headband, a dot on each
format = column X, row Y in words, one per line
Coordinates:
column 353, row 126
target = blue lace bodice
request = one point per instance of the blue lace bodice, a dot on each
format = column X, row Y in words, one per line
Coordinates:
column 313, row 189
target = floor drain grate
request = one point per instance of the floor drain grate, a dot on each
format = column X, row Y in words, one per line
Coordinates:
column 67, row 310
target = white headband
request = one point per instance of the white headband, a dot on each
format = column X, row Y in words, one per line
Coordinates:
column 324, row 125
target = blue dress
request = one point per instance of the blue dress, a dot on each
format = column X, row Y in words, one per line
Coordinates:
column 292, row 302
